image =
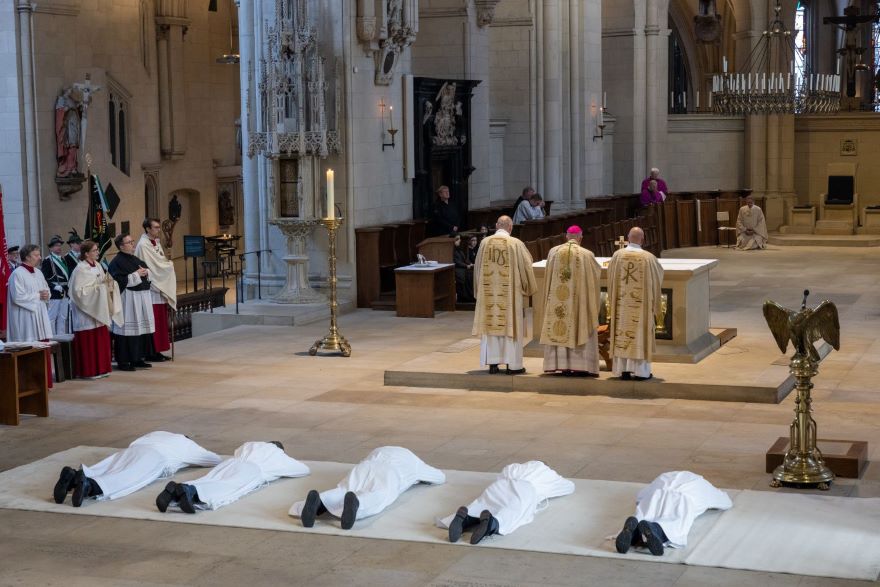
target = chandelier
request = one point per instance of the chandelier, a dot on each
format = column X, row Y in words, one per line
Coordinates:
column 758, row 90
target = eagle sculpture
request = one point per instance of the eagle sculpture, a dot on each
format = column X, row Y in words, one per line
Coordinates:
column 804, row 327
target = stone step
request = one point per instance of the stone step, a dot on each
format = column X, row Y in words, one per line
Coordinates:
column 833, row 227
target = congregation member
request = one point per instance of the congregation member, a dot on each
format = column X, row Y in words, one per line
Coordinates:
column 27, row 302
column 510, row 502
column 571, row 301
column 445, row 219
column 253, row 466
column 72, row 258
column 12, row 258
column 133, row 340
column 150, row 457
column 654, row 190
column 163, row 285
column 531, row 209
column 751, row 228
column 57, row 275
column 634, row 280
column 503, row 279
column 666, row 510
column 464, row 271
column 96, row 305
column 526, row 194
column 371, row 486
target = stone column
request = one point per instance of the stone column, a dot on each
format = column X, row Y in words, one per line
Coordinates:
column 576, row 160
column 656, row 51
column 171, row 26
column 31, row 197
column 250, row 187
column 552, row 102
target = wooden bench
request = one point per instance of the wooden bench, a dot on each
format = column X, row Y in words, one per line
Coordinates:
column 24, row 387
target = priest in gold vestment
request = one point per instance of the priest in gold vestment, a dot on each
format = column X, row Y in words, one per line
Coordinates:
column 503, row 278
column 751, row 228
column 634, row 279
column 571, row 296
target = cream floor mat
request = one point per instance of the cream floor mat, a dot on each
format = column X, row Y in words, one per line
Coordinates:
column 764, row 531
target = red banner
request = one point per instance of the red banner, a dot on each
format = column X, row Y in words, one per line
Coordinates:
column 4, row 267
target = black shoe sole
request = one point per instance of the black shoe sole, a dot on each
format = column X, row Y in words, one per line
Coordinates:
column 625, row 538
column 456, row 526
column 515, row 371
column 349, row 510
column 164, row 499
column 64, row 484
column 482, row 529
column 80, row 489
column 655, row 545
column 310, row 509
column 185, row 500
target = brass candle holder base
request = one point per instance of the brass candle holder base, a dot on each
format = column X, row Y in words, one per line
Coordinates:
column 333, row 341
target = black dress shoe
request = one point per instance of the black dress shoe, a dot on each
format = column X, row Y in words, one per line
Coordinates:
column 312, row 508
column 350, row 507
column 626, row 375
column 487, row 526
column 277, row 443
column 64, row 484
column 168, row 495
column 143, row 365
column 493, row 369
column 187, row 497
column 510, row 371
column 653, row 535
column 637, row 378
column 625, row 538
column 157, row 358
column 461, row 522
column 82, row 488
column 126, row 367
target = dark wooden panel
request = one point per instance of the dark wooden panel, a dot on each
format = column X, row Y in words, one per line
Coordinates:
column 686, row 223
column 367, row 260
column 707, row 235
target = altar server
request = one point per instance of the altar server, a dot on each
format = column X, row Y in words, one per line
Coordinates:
column 503, row 280
column 96, row 305
column 163, row 285
column 133, row 341
column 150, row 457
column 253, row 466
column 370, row 487
column 511, row 501
column 28, row 300
column 634, row 279
column 571, row 298
column 666, row 510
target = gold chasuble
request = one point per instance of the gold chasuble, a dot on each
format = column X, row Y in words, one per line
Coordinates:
column 502, row 276
column 571, row 294
column 634, row 277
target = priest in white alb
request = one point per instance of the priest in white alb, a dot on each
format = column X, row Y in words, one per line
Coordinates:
column 163, row 285
column 511, row 501
column 503, row 279
column 253, row 466
column 751, row 228
column 97, row 304
column 571, row 298
column 150, row 457
column 666, row 510
column 27, row 302
column 634, row 280
column 371, row 486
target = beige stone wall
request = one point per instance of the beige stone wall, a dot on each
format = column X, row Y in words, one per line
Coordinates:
column 103, row 38
column 706, row 152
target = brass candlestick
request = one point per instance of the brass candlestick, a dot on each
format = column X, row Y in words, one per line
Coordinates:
column 803, row 463
column 333, row 341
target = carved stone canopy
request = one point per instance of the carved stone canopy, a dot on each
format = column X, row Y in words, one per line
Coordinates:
column 386, row 28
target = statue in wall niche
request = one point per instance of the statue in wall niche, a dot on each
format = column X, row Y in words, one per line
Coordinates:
column 175, row 209
column 394, row 10
column 68, row 127
column 707, row 24
column 226, row 208
column 444, row 120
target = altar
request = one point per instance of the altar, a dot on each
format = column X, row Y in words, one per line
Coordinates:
column 683, row 334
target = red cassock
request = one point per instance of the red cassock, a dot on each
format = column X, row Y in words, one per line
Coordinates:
column 161, row 340
column 91, row 350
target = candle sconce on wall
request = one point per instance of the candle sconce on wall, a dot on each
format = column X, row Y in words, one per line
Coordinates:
column 600, row 118
column 390, row 128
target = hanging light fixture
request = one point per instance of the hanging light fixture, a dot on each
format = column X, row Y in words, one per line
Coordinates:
column 232, row 57
column 758, row 90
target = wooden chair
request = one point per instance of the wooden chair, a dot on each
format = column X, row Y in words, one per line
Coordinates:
column 722, row 221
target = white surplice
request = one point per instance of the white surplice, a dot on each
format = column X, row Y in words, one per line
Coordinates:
column 677, row 498
column 378, row 481
column 137, row 310
column 28, row 314
column 150, row 457
column 521, row 491
column 582, row 358
column 254, row 465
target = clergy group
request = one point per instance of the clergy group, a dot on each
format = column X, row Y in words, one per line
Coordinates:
column 504, row 279
column 117, row 311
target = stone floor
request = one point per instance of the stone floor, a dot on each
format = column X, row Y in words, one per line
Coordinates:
column 259, row 383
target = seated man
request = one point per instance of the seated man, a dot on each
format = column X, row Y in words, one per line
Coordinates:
column 254, row 465
column 654, row 189
column 666, row 510
column 531, row 209
column 751, row 228
column 373, row 485
column 154, row 455
column 509, row 502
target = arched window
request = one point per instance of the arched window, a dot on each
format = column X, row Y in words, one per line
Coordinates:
column 118, row 125
column 678, row 74
column 801, row 40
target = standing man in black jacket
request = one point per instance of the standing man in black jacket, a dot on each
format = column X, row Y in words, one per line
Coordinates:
column 57, row 274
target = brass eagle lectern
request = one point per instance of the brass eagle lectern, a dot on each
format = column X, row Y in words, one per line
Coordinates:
column 803, row 463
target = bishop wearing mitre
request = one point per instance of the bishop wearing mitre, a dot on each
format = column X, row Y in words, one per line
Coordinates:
column 163, row 285
column 571, row 298
column 503, row 278
column 634, row 278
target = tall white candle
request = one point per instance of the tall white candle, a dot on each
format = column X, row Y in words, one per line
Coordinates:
column 725, row 64
column 604, row 99
column 684, row 100
column 698, row 99
column 331, row 210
